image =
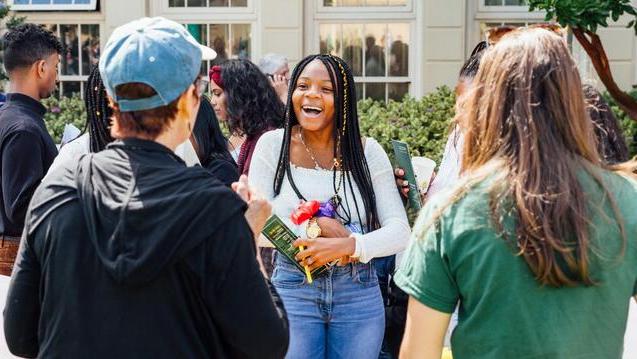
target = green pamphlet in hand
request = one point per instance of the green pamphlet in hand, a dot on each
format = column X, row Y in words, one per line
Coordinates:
column 282, row 237
column 401, row 151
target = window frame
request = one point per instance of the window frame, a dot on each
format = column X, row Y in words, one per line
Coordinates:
column 92, row 6
column 165, row 9
column 321, row 15
column 320, row 8
column 502, row 8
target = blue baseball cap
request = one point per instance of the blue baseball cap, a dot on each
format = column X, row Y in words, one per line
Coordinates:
column 154, row 51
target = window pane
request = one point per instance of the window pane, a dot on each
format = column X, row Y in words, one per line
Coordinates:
column 196, row 3
column 219, row 3
column 342, row 3
column 493, row 2
column 41, row 2
column 62, row 1
column 219, row 42
column 350, row 2
column 397, row 91
column 53, row 28
column 199, row 32
column 176, row 3
column 398, row 38
column 375, row 91
column 375, row 50
column 359, row 90
column 353, row 47
column 330, row 37
column 515, row 2
column 21, row 2
column 70, row 58
column 376, row 2
column 70, row 87
column 241, row 41
column 238, row 3
column 90, row 47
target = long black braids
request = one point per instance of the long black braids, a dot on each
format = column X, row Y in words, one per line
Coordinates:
column 348, row 145
column 98, row 113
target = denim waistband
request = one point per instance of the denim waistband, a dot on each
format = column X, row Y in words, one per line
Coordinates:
column 349, row 269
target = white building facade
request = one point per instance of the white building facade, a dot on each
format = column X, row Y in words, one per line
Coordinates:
column 395, row 47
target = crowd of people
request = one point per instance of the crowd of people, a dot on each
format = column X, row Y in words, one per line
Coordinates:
column 142, row 237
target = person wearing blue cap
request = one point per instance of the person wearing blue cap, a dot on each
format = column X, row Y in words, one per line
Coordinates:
column 129, row 253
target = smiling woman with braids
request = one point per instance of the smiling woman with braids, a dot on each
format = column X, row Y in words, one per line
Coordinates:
column 537, row 244
column 320, row 156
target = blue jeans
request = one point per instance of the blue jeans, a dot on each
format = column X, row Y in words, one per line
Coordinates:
column 339, row 315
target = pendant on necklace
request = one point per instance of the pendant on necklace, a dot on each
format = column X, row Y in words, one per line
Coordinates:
column 336, row 201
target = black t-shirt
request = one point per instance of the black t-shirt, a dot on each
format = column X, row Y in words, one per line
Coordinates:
column 26, row 153
column 224, row 170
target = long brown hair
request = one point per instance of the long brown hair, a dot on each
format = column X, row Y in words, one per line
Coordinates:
column 525, row 121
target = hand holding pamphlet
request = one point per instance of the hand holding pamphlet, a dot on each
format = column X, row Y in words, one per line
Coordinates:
column 283, row 238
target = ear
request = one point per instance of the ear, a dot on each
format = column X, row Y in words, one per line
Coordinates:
column 40, row 68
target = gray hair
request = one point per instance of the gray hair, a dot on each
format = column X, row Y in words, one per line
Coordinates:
column 272, row 62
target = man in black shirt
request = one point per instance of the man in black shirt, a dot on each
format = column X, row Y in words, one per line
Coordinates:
column 31, row 57
column 128, row 253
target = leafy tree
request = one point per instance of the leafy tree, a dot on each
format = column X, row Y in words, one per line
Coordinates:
column 584, row 17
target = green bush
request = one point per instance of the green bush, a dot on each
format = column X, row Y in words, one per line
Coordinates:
column 61, row 112
column 422, row 123
column 628, row 125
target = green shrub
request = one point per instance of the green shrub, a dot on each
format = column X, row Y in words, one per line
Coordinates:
column 63, row 111
column 422, row 123
column 628, row 125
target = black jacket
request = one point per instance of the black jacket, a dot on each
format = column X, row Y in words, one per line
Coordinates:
column 134, row 255
column 26, row 153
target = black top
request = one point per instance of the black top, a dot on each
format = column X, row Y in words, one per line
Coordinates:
column 26, row 153
column 131, row 254
column 225, row 170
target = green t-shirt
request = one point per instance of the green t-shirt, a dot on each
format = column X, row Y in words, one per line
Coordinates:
column 503, row 311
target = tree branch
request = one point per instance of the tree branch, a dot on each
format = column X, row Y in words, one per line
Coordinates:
column 596, row 52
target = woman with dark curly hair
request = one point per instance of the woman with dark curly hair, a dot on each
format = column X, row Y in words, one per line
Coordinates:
column 243, row 97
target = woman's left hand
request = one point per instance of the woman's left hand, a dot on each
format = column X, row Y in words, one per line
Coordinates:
column 320, row 251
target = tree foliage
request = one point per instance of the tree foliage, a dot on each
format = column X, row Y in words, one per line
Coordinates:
column 584, row 17
column 585, row 14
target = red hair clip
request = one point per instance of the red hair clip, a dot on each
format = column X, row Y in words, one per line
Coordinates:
column 215, row 75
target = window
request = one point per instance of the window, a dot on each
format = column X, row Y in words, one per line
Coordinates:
column 82, row 51
column 46, row 5
column 360, row 3
column 378, row 55
column 505, row 2
column 504, row 5
column 230, row 41
column 374, row 37
column 207, row 3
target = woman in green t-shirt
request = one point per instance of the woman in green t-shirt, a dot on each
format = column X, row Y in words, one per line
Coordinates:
column 538, row 242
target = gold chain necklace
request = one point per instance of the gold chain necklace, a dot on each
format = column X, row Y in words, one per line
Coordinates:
column 317, row 165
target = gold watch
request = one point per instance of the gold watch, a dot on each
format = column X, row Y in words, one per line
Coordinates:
column 313, row 230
